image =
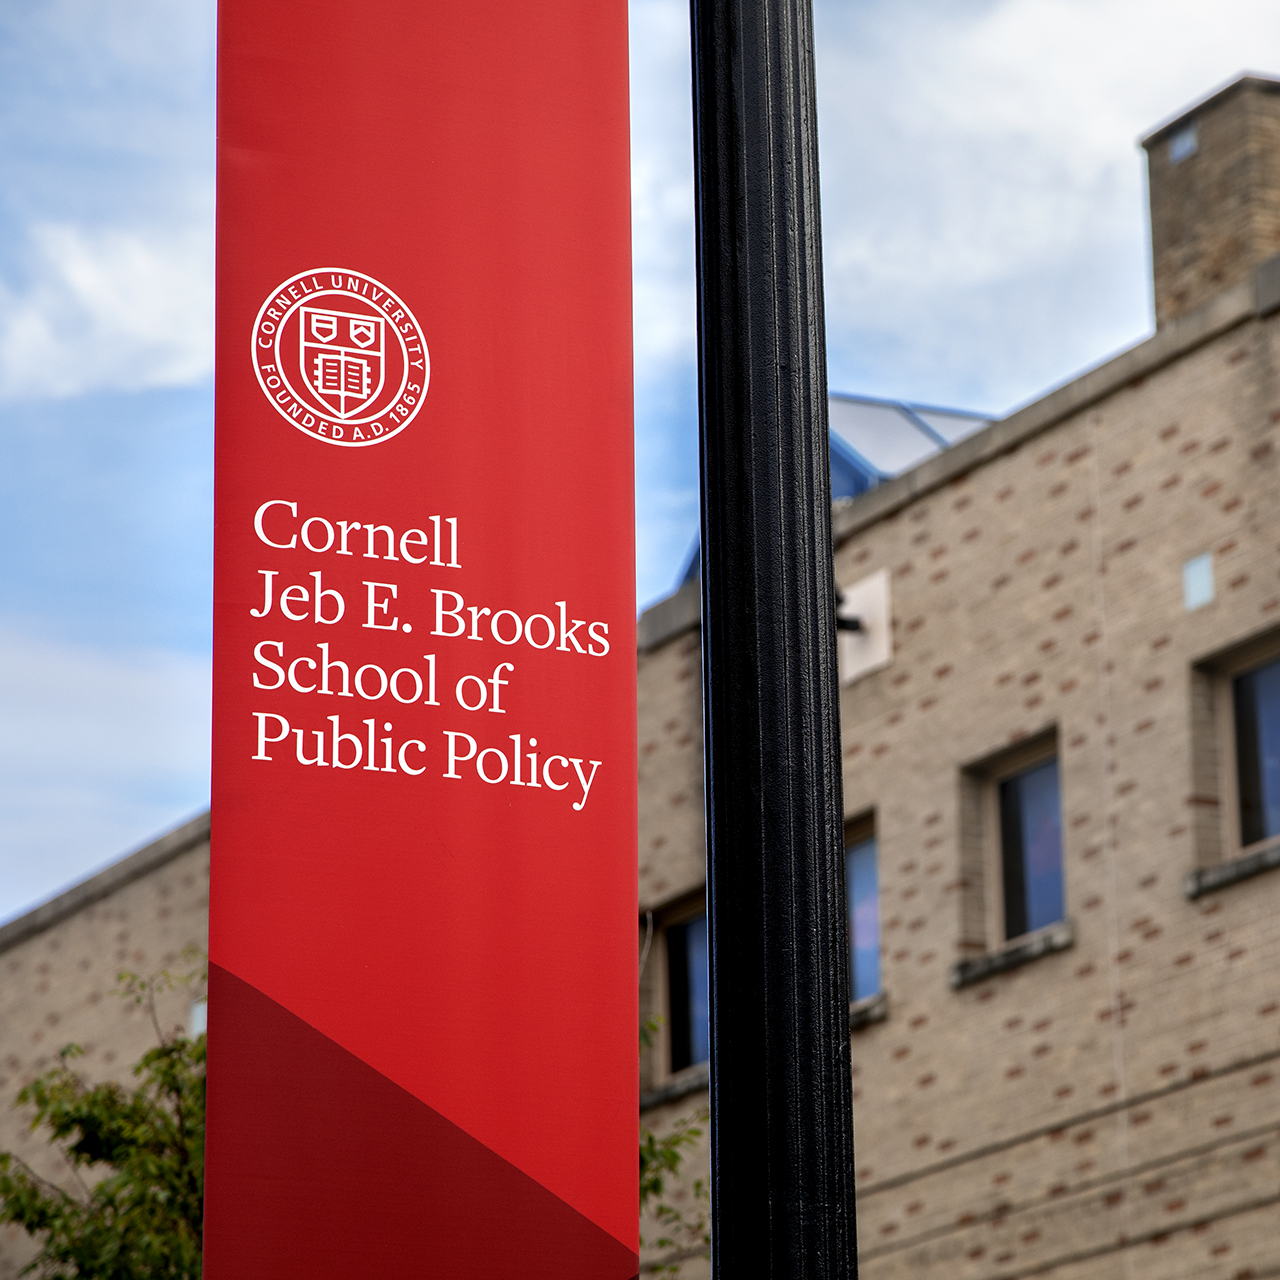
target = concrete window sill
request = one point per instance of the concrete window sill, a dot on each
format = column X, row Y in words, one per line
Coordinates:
column 690, row 1080
column 862, row 1013
column 1044, row 942
column 1207, row 879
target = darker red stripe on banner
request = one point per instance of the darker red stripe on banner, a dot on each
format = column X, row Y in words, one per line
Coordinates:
column 320, row 1166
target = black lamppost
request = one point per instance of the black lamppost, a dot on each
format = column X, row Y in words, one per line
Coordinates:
column 782, row 1145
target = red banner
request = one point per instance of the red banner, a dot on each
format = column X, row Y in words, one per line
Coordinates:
column 423, row 988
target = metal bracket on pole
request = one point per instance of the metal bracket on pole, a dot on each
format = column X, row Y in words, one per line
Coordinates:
column 782, row 1143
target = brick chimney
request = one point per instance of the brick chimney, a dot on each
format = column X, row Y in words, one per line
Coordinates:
column 1214, row 176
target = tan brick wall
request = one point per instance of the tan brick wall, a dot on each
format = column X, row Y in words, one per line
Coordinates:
column 1112, row 1109
column 56, row 987
column 672, row 861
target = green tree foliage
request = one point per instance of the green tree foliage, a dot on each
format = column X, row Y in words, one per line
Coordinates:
column 684, row 1233
column 137, row 1156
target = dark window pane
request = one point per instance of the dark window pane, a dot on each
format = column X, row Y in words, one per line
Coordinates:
column 687, row 975
column 1031, row 850
column 1257, row 708
column 862, row 895
column 1015, row 888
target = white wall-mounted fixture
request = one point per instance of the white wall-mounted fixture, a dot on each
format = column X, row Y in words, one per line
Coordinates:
column 870, row 647
column 198, row 1018
column 1197, row 581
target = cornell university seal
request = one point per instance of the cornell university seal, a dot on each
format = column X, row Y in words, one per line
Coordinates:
column 341, row 357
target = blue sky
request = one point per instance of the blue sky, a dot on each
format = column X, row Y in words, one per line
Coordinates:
column 106, row 414
column 985, row 238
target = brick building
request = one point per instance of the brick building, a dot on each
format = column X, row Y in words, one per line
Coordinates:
column 1061, row 733
column 1062, row 791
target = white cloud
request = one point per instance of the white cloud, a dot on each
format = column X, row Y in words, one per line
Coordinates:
column 108, row 309
column 662, row 234
column 100, row 751
column 106, row 220
column 984, row 203
column 665, row 295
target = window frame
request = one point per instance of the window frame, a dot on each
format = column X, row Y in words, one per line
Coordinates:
column 984, row 951
column 1022, row 758
column 1222, row 673
column 683, row 911
column 858, row 830
column 1005, row 858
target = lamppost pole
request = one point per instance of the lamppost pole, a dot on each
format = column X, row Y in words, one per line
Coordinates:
column 782, row 1147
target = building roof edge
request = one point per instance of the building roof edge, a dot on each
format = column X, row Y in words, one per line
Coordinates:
column 679, row 612
column 1255, row 297
column 1254, row 79
column 131, row 867
column 1229, row 309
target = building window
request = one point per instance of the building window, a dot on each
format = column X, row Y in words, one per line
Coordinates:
column 1031, row 849
column 862, row 895
column 1184, row 144
column 1013, row 898
column 687, row 971
column 1256, row 698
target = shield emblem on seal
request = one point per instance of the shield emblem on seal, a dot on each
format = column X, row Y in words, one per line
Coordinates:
column 342, row 358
